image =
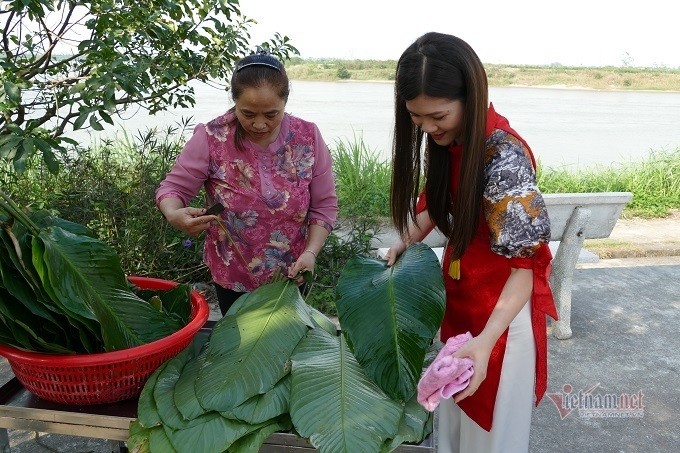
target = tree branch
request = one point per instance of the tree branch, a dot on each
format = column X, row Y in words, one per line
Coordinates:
column 5, row 37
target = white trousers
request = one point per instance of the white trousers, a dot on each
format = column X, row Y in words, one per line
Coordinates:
column 457, row 433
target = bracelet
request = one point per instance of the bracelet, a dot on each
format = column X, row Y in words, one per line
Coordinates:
column 312, row 252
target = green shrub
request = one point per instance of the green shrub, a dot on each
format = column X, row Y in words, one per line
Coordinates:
column 343, row 73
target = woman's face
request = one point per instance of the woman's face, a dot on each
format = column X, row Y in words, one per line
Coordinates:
column 440, row 118
column 260, row 111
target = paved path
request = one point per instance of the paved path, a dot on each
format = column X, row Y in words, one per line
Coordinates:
column 625, row 320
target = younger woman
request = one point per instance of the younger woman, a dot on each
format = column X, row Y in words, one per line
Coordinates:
column 480, row 191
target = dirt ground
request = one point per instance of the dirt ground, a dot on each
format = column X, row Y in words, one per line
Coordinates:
column 636, row 238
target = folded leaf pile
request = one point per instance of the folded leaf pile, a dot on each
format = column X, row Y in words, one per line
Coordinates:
column 274, row 363
column 63, row 291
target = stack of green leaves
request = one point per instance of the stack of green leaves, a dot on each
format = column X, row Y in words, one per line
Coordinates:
column 63, row 291
column 273, row 363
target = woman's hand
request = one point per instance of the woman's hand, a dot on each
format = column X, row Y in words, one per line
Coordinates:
column 393, row 253
column 305, row 262
column 479, row 350
column 416, row 233
column 190, row 220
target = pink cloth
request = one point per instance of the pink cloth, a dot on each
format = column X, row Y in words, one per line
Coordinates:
column 446, row 375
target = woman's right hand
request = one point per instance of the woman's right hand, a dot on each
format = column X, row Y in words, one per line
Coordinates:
column 393, row 253
column 190, row 220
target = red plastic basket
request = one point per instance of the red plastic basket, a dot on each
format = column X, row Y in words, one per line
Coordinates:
column 105, row 377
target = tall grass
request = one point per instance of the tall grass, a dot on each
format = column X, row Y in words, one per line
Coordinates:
column 654, row 182
column 362, row 179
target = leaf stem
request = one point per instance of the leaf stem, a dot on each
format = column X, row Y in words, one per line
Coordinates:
column 231, row 241
column 15, row 211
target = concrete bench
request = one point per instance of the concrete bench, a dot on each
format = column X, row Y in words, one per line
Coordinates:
column 574, row 217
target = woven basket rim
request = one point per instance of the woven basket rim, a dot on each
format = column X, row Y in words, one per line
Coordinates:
column 199, row 307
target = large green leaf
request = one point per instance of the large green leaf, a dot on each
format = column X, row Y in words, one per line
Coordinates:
column 75, row 267
column 147, row 411
column 163, row 391
column 209, row 433
column 18, row 247
column 333, row 402
column 159, row 441
column 138, row 442
column 260, row 408
column 251, row 443
column 414, row 427
column 44, row 219
column 184, row 396
column 391, row 314
column 84, row 274
column 8, row 313
column 25, row 332
column 14, row 282
column 248, row 351
column 20, row 259
column 322, row 321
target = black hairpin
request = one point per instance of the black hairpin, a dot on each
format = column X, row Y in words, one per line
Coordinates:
column 261, row 57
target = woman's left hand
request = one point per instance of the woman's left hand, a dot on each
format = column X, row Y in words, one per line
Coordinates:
column 305, row 262
column 479, row 350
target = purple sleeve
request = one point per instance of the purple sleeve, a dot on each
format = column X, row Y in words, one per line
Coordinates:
column 323, row 206
column 190, row 171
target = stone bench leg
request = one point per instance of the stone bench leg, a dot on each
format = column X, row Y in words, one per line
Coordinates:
column 564, row 264
column 4, row 441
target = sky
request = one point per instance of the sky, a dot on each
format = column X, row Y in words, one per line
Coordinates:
column 531, row 32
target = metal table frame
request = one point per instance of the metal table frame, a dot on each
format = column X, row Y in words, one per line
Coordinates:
column 20, row 409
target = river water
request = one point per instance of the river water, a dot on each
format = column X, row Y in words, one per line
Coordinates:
column 564, row 127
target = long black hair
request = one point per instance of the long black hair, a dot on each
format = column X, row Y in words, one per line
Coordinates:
column 441, row 66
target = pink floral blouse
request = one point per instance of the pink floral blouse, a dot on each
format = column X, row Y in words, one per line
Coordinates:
column 271, row 196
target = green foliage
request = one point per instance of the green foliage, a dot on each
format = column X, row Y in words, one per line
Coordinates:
column 376, row 306
column 239, row 344
column 342, row 245
column 131, row 53
column 64, row 278
column 110, row 188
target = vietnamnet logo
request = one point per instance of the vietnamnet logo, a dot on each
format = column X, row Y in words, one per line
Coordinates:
column 589, row 404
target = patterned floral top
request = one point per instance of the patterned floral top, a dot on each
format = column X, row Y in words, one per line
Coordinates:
column 271, row 196
column 513, row 206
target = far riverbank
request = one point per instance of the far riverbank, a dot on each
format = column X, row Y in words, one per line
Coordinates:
column 554, row 76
